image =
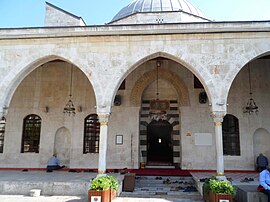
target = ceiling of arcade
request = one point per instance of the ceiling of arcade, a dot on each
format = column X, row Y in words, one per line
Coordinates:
column 50, row 84
column 251, row 82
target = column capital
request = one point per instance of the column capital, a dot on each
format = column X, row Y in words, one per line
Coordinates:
column 103, row 118
column 218, row 116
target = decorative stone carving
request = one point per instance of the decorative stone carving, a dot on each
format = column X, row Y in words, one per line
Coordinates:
column 104, row 118
column 150, row 76
column 218, row 116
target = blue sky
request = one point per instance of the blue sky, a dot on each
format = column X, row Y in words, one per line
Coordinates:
column 31, row 13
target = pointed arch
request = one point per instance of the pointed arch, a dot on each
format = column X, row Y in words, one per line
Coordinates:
column 199, row 74
column 242, row 62
column 202, row 75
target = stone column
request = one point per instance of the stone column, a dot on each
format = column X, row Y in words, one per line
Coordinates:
column 218, row 119
column 103, row 120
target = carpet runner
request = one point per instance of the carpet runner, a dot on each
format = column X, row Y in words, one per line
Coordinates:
column 160, row 172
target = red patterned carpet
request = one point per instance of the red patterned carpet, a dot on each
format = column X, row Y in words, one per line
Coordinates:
column 160, row 172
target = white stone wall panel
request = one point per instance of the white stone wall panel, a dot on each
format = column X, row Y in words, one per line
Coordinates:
column 215, row 58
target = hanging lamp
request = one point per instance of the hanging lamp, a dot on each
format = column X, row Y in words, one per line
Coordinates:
column 158, row 107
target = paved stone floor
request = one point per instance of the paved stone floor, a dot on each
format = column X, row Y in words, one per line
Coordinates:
column 21, row 198
column 236, row 178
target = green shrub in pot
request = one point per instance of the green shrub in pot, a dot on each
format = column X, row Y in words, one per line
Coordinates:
column 104, row 183
column 221, row 186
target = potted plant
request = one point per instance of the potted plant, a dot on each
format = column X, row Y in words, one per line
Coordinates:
column 221, row 190
column 206, row 190
column 103, row 188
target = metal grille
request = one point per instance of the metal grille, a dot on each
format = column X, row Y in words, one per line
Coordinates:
column 2, row 134
column 91, row 134
column 230, row 134
column 31, row 134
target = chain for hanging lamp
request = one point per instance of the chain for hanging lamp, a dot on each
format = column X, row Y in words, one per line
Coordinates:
column 158, row 108
column 251, row 106
column 69, row 107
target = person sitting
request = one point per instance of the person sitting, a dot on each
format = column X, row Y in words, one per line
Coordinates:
column 261, row 162
column 53, row 164
column 264, row 182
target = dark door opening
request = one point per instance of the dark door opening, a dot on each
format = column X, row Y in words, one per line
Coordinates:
column 159, row 143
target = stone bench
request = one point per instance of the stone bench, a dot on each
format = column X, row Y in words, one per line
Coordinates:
column 249, row 193
column 35, row 192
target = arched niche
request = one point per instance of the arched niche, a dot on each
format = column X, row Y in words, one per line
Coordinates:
column 62, row 145
column 261, row 139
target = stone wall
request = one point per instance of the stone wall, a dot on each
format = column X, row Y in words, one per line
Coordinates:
column 29, row 82
column 56, row 17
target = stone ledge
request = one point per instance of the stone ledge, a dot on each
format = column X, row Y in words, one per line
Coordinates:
column 249, row 193
column 48, row 188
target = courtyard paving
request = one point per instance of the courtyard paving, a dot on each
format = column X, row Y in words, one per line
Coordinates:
column 9, row 176
column 21, row 198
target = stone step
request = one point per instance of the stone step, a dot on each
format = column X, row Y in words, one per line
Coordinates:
column 163, row 187
column 159, row 193
column 190, row 196
column 164, row 183
column 163, row 177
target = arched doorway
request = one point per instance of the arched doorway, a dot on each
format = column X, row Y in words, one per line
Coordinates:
column 163, row 84
column 62, row 145
column 159, row 143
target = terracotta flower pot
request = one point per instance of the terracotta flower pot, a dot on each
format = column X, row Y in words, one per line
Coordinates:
column 95, row 196
column 113, row 194
column 216, row 197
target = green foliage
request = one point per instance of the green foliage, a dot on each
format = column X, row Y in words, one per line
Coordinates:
column 104, row 183
column 206, row 185
column 221, row 187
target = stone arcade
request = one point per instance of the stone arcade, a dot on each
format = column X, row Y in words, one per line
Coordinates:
column 160, row 84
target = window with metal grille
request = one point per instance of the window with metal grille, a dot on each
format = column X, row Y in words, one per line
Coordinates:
column 230, row 135
column 2, row 133
column 91, row 134
column 31, row 134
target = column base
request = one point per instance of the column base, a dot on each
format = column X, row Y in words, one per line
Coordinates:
column 101, row 173
column 221, row 176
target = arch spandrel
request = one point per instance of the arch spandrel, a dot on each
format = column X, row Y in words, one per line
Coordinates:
column 149, row 77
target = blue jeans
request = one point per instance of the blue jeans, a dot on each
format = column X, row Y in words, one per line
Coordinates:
column 56, row 167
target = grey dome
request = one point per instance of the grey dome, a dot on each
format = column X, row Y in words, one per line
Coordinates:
column 141, row 6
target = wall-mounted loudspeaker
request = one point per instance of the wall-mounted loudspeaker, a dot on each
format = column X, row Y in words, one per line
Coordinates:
column 117, row 100
column 202, row 97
